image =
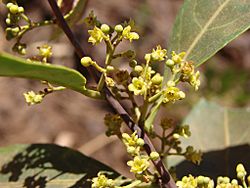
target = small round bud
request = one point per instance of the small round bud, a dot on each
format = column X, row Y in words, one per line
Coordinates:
column 20, row 10
column 170, row 62
column 86, row 61
column 131, row 150
column 226, row 180
column 241, row 175
column 133, row 63
column 157, row 79
column 14, row 9
column 147, row 57
column 125, row 136
column 8, row 21
column 234, row 182
column 9, row 5
column 248, row 179
column 154, row 155
column 110, row 68
column 206, row 180
column 105, row 28
column 15, row 30
column 138, row 68
column 240, row 168
column 181, row 94
column 200, row 180
column 140, row 142
column 176, row 136
column 118, row 28
column 220, row 180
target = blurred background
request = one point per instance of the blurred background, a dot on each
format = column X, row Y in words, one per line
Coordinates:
column 70, row 119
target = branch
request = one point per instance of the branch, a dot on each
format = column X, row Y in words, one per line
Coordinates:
column 167, row 181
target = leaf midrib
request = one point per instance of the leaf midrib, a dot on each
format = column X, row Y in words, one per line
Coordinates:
column 199, row 36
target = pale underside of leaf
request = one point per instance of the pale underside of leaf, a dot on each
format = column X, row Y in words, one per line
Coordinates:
column 204, row 27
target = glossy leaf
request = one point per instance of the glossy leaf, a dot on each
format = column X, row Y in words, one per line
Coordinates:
column 12, row 66
column 214, row 127
column 204, row 27
column 47, row 165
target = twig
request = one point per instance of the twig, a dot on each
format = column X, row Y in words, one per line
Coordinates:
column 167, row 181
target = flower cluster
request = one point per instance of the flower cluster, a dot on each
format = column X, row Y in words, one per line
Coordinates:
column 222, row 182
column 101, row 181
column 113, row 123
column 15, row 14
column 32, row 98
column 97, row 34
column 198, row 182
column 133, row 143
column 193, row 155
column 186, row 69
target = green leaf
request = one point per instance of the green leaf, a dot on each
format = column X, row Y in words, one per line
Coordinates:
column 73, row 16
column 47, row 165
column 214, row 127
column 12, row 66
column 204, row 27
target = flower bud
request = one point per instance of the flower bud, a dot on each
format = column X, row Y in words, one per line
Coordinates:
column 118, row 28
column 234, row 182
column 131, row 150
column 140, row 142
column 133, row 63
column 86, row 61
column 9, row 5
column 241, row 175
column 170, row 62
column 157, row 79
column 200, row 180
column 105, row 28
column 147, row 57
column 176, row 136
column 8, row 21
column 206, row 180
column 14, row 9
column 20, row 10
column 110, row 68
column 138, row 68
column 240, row 168
column 154, row 155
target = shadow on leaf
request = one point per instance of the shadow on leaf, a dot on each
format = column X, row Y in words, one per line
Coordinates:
column 47, row 165
column 217, row 163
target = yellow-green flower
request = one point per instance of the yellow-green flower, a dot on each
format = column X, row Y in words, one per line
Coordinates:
column 32, row 98
column 194, row 80
column 127, row 34
column 133, row 143
column 138, row 165
column 157, row 79
column 184, row 131
column 193, row 155
column 96, row 36
column 172, row 94
column 45, row 51
column 187, row 182
column 138, row 86
column 102, row 182
column 158, row 54
column 178, row 58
